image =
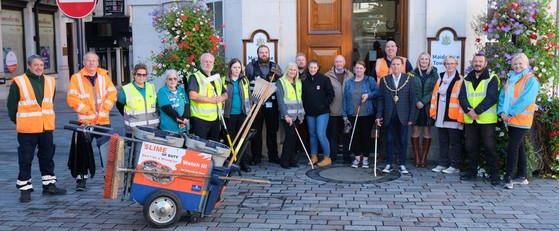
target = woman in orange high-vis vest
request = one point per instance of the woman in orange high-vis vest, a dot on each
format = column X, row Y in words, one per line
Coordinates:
column 445, row 110
column 517, row 103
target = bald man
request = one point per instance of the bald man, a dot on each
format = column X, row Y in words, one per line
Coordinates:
column 337, row 75
column 382, row 67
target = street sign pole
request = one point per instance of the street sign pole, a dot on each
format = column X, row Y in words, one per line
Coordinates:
column 79, row 29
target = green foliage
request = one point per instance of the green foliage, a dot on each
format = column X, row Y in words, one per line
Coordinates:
column 514, row 26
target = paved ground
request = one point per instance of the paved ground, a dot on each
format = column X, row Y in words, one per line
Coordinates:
column 422, row 200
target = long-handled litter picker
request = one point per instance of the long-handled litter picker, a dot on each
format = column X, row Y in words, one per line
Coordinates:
column 354, row 125
column 376, row 142
column 303, row 144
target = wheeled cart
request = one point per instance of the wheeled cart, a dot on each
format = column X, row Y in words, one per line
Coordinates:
column 167, row 179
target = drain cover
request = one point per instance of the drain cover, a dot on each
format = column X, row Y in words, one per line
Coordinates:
column 344, row 174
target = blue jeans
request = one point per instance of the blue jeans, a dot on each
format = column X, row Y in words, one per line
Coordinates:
column 393, row 128
column 317, row 132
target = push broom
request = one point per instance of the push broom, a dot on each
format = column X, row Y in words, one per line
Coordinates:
column 266, row 93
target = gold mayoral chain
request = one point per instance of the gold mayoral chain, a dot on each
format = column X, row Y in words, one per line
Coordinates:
column 395, row 90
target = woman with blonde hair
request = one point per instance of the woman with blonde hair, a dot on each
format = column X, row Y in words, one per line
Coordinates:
column 517, row 103
column 290, row 104
column 426, row 77
column 445, row 110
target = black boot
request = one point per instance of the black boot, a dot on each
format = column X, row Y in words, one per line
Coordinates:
column 51, row 189
column 81, row 184
column 25, row 196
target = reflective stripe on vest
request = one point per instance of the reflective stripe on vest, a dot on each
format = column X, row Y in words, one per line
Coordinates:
column 202, row 110
column 526, row 117
column 454, row 110
column 382, row 69
column 476, row 96
column 140, row 111
column 32, row 117
column 292, row 97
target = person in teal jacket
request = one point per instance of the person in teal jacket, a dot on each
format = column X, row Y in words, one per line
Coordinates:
column 173, row 104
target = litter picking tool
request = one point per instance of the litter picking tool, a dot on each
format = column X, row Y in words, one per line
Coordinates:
column 354, row 125
column 222, row 118
column 376, row 149
column 259, row 87
column 303, row 144
column 253, row 116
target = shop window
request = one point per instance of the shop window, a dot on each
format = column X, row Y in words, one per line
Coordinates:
column 12, row 42
column 47, row 42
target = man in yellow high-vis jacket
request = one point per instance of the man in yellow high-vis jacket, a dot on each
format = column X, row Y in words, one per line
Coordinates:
column 478, row 99
column 205, row 94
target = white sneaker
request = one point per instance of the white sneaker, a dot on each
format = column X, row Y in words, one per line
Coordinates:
column 355, row 164
column 509, row 185
column 365, row 164
column 387, row 169
column 520, row 181
column 451, row 170
column 403, row 169
column 438, row 168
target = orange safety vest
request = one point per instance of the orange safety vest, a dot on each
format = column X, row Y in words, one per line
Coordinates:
column 382, row 69
column 525, row 118
column 454, row 110
column 92, row 106
column 32, row 117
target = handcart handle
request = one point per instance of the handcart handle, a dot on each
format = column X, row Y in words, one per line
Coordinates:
column 85, row 130
column 89, row 125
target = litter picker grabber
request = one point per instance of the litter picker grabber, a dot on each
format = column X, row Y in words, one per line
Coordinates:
column 354, row 125
column 255, row 112
column 376, row 149
column 303, row 144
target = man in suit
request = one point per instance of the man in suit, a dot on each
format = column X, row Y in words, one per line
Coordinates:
column 396, row 108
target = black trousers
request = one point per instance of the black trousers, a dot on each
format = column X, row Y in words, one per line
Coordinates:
column 288, row 152
column 271, row 116
column 450, row 147
column 516, row 153
column 335, row 124
column 476, row 135
column 26, row 151
column 234, row 123
column 205, row 129
column 361, row 144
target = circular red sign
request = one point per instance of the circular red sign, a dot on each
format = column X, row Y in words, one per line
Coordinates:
column 76, row 8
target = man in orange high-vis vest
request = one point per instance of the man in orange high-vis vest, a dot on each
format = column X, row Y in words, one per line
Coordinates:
column 92, row 95
column 31, row 108
column 382, row 65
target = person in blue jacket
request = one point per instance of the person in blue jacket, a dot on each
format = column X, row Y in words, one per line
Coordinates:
column 360, row 91
column 173, row 104
column 517, row 103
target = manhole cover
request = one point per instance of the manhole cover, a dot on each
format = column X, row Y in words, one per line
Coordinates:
column 344, row 174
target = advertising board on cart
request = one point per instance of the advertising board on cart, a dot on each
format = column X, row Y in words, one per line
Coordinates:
column 167, row 159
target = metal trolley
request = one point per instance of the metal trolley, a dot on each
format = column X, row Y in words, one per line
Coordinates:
column 159, row 173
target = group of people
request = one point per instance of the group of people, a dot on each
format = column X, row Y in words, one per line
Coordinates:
column 395, row 97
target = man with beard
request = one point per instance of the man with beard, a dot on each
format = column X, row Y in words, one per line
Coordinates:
column 301, row 61
column 382, row 65
column 262, row 67
column 204, row 97
column 478, row 98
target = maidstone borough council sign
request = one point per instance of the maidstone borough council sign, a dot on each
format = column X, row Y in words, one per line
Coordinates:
column 446, row 43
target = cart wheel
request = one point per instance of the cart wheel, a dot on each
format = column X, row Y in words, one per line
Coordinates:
column 194, row 217
column 162, row 209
